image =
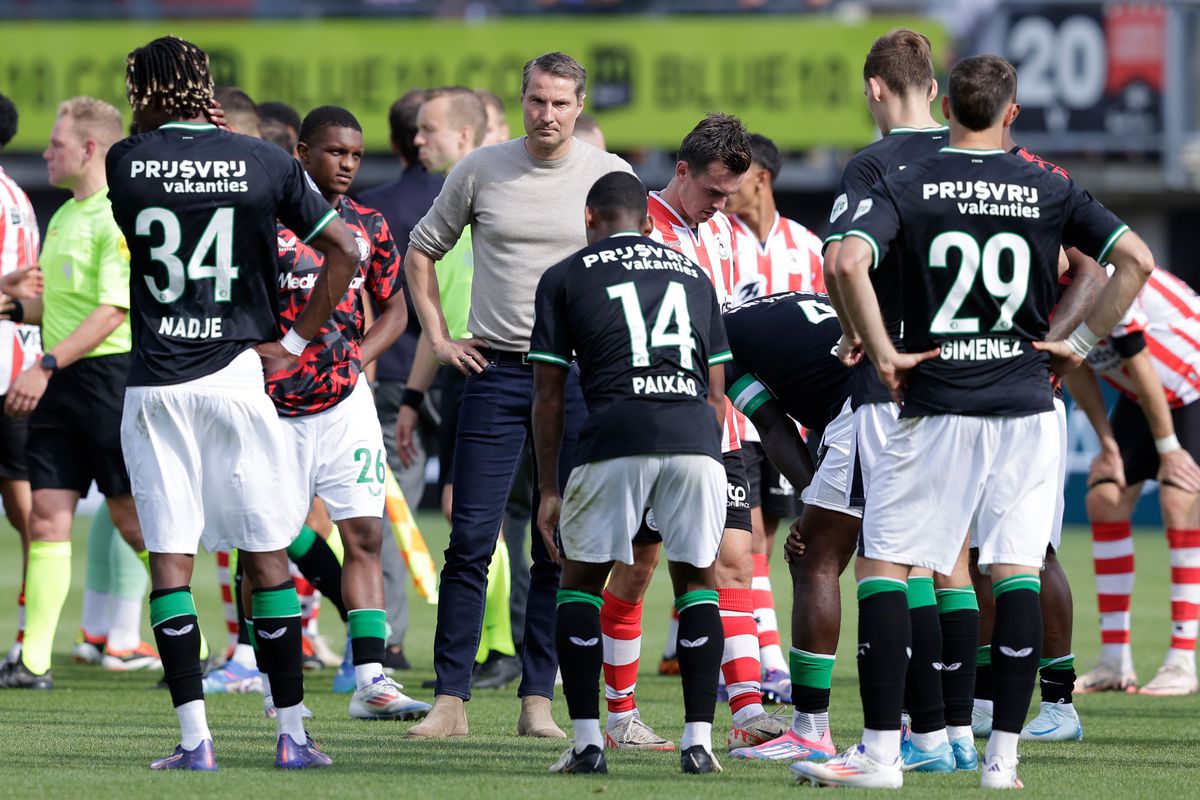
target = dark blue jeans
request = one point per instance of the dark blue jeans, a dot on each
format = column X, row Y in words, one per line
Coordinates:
column 493, row 424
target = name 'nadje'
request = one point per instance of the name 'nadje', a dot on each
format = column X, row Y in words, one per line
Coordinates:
column 187, row 169
column 980, row 190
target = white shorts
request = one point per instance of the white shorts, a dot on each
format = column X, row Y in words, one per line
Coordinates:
column 210, row 463
column 941, row 476
column 873, row 424
column 605, row 500
column 339, row 455
column 1060, row 504
column 830, row 486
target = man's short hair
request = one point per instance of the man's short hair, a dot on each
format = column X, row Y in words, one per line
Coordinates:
column 463, row 107
column 8, row 121
column 717, row 137
column 402, row 124
column 279, row 124
column 586, row 123
column 95, row 119
column 323, row 117
column 618, row 195
column 491, row 101
column 559, row 65
column 240, row 110
column 764, row 153
column 901, row 59
column 981, row 88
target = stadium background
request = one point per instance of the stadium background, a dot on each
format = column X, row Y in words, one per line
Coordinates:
column 1109, row 90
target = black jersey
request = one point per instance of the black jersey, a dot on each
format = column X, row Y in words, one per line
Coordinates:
column 645, row 324
column 976, row 234
column 891, row 154
column 785, row 346
column 198, row 207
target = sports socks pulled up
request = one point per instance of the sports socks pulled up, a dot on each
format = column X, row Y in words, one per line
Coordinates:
column 1112, row 555
column 884, row 639
column 580, row 658
column 770, row 650
column 812, row 675
column 700, row 649
column 621, row 628
column 923, row 684
column 1016, row 646
column 276, row 616
column 47, row 582
column 958, row 611
column 739, row 661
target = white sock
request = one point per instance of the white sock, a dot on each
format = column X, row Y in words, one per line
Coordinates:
column 244, row 655
column 929, row 741
column 1181, row 658
column 810, row 726
column 291, row 721
column 365, row 674
column 956, row 732
column 1003, row 744
column 984, row 705
column 747, row 713
column 1117, row 655
column 696, row 733
column 672, row 635
column 95, row 613
column 587, row 732
column 771, row 658
column 618, row 718
column 266, row 685
column 125, row 623
column 883, row 746
column 193, row 724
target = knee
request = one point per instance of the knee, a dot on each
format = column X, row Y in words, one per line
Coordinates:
column 1103, row 504
column 1178, row 507
column 629, row 581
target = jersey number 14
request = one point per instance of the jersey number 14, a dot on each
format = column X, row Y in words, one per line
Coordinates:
column 672, row 312
column 216, row 241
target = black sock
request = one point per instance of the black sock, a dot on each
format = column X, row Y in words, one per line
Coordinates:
column 277, row 629
column 809, row 700
column 1016, row 642
column 884, row 637
column 1058, row 679
column 177, row 634
column 984, row 685
column 243, row 629
column 960, row 632
column 699, row 646
column 923, row 683
column 319, row 566
column 580, row 651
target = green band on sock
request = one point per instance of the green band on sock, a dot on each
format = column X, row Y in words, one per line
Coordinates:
column 302, row 543
column 1061, row 662
column 814, row 670
column 250, row 633
column 983, row 655
column 959, row 599
column 275, row 603
column 573, row 596
column 696, row 598
column 367, row 623
column 1014, row 582
column 869, row 587
column 920, row 593
column 168, row 606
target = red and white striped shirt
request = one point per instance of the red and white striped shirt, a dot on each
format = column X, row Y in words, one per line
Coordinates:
column 788, row 261
column 1167, row 314
column 710, row 245
column 20, row 345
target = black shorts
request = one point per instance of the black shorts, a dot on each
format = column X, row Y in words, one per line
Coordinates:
column 737, row 502
column 1136, row 442
column 75, row 431
column 769, row 490
column 14, row 434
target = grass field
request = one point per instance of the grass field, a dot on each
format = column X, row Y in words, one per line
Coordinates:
column 95, row 733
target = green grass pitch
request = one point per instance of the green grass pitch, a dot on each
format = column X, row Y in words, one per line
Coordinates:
column 95, row 733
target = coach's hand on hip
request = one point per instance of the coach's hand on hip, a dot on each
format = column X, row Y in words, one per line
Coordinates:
column 549, row 510
column 26, row 391
column 461, row 354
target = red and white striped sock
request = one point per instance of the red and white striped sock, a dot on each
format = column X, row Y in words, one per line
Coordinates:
column 621, row 628
column 231, row 617
column 1185, row 594
column 739, row 662
column 769, row 650
column 1112, row 553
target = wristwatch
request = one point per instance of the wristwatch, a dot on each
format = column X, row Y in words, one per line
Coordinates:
column 50, row 363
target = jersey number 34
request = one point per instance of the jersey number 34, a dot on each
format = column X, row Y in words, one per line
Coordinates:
column 216, row 242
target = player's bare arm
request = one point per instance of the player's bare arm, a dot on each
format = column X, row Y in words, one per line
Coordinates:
column 716, row 390
column 549, row 389
column 386, row 329
column 782, row 443
column 30, row 385
column 852, row 339
column 1087, row 279
column 1085, row 391
column 1176, row 467
column 421, row 273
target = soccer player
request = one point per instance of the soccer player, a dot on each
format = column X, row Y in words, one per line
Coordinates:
column 1151, row 357
column 497, row 123
column 206, row 450
column 977, row 398
column 774, row 254
column 279, row 123
column 241, row 114
column 688, row 217
column 327, row 406
column 19, row 240
column 86, row 337
column 645, row 324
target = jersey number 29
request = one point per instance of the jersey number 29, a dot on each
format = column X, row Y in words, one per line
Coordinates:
column 972, row 261
column 216, row 239
column 673, row 308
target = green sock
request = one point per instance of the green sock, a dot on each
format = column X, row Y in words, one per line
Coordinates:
column 98, row 577
column 301, row 544
column 920, row 593
column 47, row 581
column 810, row 670
column 128, row 572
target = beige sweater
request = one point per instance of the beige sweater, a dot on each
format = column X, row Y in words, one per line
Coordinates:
column 525, row 216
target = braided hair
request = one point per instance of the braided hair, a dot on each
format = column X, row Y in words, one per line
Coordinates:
column 169, row 75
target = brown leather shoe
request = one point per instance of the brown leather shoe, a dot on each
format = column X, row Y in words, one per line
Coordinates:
column 447, row 718
column 536, row 719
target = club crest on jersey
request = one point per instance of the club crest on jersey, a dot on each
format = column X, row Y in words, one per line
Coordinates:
column 364, row 248
column 839, row 207
column 287, row 243
column 722, row 249
column 864, row 206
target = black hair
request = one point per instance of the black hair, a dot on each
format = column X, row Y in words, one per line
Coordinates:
column 275, row 111
column 764, row 153
column 618, row 196
column 981, row 87
column 402, row 124
column 8, row 121
column 169, row 75
column 323, row 117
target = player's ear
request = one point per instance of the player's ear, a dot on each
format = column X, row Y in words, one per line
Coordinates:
column 647, row 225
column 302, row 152
column 1010, row 116
column 589, row 218
column 875, row 89
column 933, row 90
column 946, row 108
column 681, row 170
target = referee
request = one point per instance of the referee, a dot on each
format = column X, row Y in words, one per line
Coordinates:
column 73, row 396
